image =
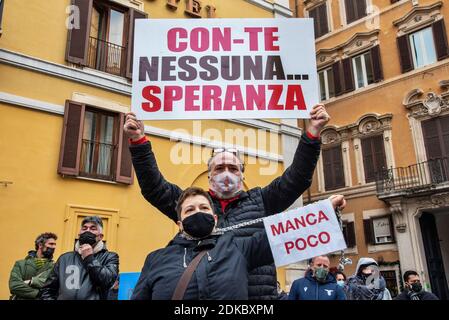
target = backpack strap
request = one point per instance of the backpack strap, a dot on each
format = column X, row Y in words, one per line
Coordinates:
column 183, row 282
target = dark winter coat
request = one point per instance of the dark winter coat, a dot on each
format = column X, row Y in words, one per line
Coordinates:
column 255, row 203
column 73, row 278
column 222, row 273
column 424, row 295
column 308, row 288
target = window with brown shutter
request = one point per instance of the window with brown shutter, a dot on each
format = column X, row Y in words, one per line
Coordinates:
column 93, row 144
column 415, row 50
column 104, row 40
column 333, row 168
column 320, row 21
column 440, row 38
column 355, row 10
column 374, row 159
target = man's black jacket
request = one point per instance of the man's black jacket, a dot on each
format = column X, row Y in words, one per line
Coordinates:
column 73, row 278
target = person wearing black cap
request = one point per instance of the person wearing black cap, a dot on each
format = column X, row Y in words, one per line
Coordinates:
column 88, row 272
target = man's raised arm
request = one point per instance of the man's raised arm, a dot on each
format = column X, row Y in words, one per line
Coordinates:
column 154, row 187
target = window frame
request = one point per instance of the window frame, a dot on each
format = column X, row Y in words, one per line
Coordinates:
column 423, row 47
column 327, row 83
column 101, row 56
column 390, row 219
column 115, row 135
column 364, row 64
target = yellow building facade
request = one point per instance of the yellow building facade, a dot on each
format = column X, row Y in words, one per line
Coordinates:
column 41, row 191
column 383, row 69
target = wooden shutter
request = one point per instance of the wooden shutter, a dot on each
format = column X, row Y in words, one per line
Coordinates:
column 369, row 231
column 440, row 37
column 133, row 16
column 348, row 75
column 339, row 174
column 322, row 13
column 368, row 159
column 405, row 53
column 380, row 160
column 350, row 11
column 360, row 8
column 319, row 16
column 72, row 133
column 377, row 64
column 313, row 14
column 432, row 139
column 78, row 39
column 350, row 235
column 337, row 78
column 393, row 238
column 124, row 171
column 327, row 168
column 333, row 168
column 374, row 159
column 444, row 124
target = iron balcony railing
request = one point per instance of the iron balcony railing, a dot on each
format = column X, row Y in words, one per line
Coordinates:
column 416, row 176
column 106, row 56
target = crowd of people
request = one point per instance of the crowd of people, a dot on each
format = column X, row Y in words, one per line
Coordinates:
column 204, row 261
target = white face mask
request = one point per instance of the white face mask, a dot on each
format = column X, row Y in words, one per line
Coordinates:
column 226, row 185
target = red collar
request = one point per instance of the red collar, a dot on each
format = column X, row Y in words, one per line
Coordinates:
column 223, row 202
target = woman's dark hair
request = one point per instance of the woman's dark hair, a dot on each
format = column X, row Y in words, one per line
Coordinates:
column 42, row 238
column 339, row 272
column 191, row 192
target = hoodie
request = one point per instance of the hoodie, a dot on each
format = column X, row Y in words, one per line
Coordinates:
column 359, row 289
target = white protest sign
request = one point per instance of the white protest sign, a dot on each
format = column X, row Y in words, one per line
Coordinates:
column 303, row 233
column 224, row 68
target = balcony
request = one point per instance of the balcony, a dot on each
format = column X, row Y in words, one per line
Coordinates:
column 106, row 56
column 415, row 179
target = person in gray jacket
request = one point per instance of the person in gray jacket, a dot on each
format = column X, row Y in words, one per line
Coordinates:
column 367, row 283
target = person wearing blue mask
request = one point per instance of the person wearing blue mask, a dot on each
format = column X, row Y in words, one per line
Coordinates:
column 318, row 284
column 341, row 280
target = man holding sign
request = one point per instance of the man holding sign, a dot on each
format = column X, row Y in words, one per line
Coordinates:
column 222, row 69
